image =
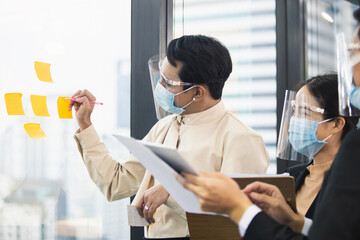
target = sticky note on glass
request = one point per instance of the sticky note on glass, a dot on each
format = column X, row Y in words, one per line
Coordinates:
column 43, row 71
column 63, row 107
column 34, row 131
column 39, row 105
column 14, row 104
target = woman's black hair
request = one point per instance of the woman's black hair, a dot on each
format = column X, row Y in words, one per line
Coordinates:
column 325, row 90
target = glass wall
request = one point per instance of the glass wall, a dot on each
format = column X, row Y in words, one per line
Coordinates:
column 46, row 192
column 247, row 28
column 324, row 19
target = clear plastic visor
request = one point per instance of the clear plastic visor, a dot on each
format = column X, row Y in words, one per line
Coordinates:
column 304, row 110
column 155, row 77
column 348, row 56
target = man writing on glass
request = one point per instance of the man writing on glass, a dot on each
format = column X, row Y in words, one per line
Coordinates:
column 207, row 135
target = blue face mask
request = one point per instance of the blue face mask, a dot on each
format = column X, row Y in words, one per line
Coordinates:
column 165, row 99
column 302, row 136
column 355, row 96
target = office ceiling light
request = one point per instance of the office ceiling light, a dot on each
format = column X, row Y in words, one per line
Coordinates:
column 327, row 17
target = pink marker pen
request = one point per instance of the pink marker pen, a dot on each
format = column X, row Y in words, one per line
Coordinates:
column 74, row 100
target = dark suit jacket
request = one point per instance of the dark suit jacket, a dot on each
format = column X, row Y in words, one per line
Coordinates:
column 337, row 215
column 299, row 173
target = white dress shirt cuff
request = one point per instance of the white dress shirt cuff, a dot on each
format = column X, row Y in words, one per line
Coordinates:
column 307, row 224
column 246, row 219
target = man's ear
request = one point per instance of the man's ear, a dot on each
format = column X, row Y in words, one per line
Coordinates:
column 200, row 91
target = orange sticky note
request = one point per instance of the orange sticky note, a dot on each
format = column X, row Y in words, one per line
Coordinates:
column 14, row 104
column 63, row 107
column 34, row 131
column 43, row 71
column 39, row 106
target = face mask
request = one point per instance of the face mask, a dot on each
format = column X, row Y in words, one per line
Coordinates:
column 355, row 96
column 165, row 99
column 302, row 136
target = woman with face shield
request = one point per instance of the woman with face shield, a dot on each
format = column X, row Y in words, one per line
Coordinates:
column 312, row 131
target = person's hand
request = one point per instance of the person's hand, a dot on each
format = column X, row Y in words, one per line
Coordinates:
column 269, row 198
column 217, row 193
column 152, row 199
column 83, row 107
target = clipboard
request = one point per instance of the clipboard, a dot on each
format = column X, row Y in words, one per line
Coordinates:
column 202, row 226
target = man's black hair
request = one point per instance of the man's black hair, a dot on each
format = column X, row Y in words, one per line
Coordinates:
column 204, row 61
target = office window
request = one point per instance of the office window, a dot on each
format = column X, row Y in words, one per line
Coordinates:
column 247, row 28
column 324, row 19
column 46, row 192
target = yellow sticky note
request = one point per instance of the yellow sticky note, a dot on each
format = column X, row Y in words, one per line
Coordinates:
column 14, row 104
column 63, row 107
column 43, row 71
column 39, row 106
column 34, row 131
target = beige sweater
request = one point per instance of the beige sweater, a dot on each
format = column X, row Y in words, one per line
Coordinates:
column 213, row 140
column 311, row 187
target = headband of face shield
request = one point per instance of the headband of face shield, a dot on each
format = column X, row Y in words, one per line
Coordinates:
column 348, row 55
column 298, row 138
column 164, row 98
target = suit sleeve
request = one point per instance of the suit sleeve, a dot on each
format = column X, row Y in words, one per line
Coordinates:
column 263, row 227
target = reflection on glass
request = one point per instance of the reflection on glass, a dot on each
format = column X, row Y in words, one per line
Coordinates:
column 247, row 28
column 325, row 18
column 46, row 192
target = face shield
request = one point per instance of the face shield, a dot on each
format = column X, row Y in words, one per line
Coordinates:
column 165, row 90
column 298, row 137
column 155, row 77
column 348, row 56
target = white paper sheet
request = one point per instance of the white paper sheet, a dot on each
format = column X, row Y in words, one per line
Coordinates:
column 163, row 173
